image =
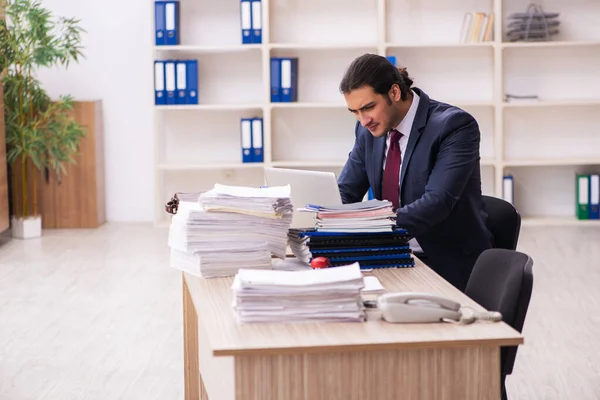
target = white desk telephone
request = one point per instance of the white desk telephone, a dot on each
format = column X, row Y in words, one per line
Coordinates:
column 413, row 307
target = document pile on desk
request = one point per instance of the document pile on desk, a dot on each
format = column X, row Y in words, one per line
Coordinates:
column 359, row 232
column 366, row 216
column 320, row 295
column 230, row 226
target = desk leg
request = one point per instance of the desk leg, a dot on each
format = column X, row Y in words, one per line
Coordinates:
column 465, row 373
column 194, row 387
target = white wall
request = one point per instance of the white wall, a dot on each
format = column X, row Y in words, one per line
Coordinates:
column 117, row 70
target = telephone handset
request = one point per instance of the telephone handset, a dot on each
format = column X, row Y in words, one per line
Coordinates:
column 414, row 307
column 410, row 307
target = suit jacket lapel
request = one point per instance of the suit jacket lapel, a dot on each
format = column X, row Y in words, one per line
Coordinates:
column 415, row 132
column 377, row 165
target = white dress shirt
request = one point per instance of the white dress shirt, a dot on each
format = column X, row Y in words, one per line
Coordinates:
column 404, row 127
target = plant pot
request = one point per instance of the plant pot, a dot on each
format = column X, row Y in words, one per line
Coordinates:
column 26, row 228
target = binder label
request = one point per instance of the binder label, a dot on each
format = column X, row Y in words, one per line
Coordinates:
column 286, row 76
column 246, row 17
column 583, row 190
column 257, row 139
column 159, row 78
column 170, row 16
column 256, row 15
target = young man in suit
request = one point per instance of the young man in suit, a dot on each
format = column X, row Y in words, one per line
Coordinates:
column 423, row 156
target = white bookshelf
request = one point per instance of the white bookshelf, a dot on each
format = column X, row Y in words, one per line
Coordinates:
column 542, row 144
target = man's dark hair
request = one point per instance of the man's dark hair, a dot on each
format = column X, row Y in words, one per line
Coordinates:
column 376, row 71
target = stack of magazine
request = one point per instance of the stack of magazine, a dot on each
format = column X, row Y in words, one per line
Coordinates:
column 362, row 232
column 230, row 226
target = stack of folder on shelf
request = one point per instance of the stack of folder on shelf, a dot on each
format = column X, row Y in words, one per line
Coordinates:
column 251, row 21
column 362, row 232
column 252, row 136
column 175, row 82
column 166, row 22
column 230, row 226
column 284, row 79
column 327, row 295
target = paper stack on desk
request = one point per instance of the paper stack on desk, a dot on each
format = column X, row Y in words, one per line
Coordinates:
column 323, row 295
column 363, row 232
column 366, row 216
column 229, row 227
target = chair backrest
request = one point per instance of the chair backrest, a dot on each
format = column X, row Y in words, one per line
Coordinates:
column 504, row 221
column 502, row 280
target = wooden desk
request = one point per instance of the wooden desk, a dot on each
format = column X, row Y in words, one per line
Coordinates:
column 370, row 360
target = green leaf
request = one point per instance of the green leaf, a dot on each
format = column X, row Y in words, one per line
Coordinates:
column 37, row 128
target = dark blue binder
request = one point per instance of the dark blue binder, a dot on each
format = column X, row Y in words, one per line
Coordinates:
column 257, row 140
column 172, row 22
column 594, row 196
column 275, row 80
column 160, row 95
column 289, row 80
column 159, row 23
column 192, row 81
column 246, row 21
column 246, row 139
column 256, row 21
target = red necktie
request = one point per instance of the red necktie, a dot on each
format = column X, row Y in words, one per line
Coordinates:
column 391, row 173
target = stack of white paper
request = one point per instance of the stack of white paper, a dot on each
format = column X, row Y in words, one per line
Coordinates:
column 367, row 216
column 319, row 295
column 229, row 227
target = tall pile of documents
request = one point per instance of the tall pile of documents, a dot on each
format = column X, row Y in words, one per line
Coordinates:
column 230, row 226
column 324, row 295
column 362, row 232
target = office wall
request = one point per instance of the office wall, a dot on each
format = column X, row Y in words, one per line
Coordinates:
column 117, row 69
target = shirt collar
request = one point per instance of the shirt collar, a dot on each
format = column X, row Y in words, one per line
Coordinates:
column 405, row 126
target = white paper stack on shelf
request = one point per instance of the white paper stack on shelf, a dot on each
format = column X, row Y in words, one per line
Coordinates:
column 229, row 227
column 367, row 216
column 319, row 295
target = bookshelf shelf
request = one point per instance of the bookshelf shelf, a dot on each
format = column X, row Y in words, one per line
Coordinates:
column 308, row 164
column 438, row 45
column 208, row 48
column 553, row 103
column 322, row 46
column 309, row 105
column 543, row 144
column 561, row 43
column 564, row 221
column 201, row 167
column 551, row 162
column 209, row 107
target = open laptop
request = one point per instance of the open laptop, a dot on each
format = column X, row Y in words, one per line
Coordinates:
column 307, row 187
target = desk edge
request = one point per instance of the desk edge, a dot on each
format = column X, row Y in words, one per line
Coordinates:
column 368, row 347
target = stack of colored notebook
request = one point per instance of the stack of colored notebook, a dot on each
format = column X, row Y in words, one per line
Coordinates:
column 363, row 233
column 369, row 249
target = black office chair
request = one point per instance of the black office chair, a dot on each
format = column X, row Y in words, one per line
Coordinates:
column 504, row 221
column 502, row 280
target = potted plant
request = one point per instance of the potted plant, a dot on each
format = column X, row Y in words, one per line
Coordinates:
column 40, row 134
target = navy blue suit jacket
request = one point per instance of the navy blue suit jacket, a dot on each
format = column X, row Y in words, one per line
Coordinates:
column 440, row 198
